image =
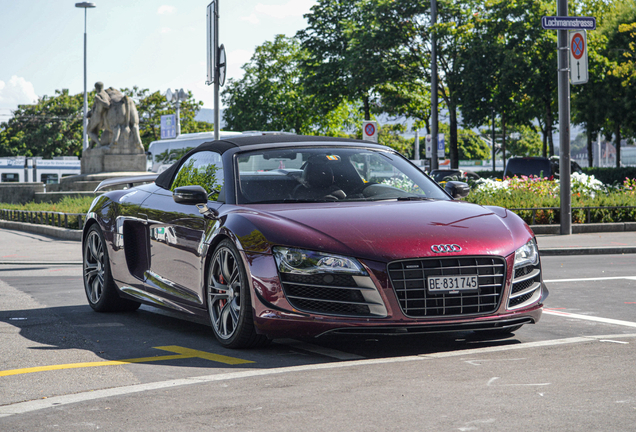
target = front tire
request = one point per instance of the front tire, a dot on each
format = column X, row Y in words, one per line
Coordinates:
column 100, row 288
column 228, row 296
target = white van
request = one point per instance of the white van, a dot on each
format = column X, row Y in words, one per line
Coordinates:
column 163, row 153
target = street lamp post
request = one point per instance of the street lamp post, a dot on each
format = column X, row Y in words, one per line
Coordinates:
column 85, row 5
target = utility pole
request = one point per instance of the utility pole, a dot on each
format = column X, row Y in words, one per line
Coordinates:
column 434, row 102
column 564, row 123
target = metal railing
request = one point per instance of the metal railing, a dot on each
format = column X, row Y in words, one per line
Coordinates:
column 59, row 219
column 587, row 210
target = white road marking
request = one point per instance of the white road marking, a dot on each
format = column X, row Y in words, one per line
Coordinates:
column 613, row 341
column 56, row 401
column 589, row 318
column 590, row 279
column 493, row 379
column 316, row 349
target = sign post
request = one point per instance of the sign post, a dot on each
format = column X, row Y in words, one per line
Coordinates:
column 569, row 46
column 216, row 70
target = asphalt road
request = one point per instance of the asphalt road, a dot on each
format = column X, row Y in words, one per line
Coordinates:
column 574, row 370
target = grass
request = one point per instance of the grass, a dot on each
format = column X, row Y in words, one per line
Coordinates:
column 66, row 205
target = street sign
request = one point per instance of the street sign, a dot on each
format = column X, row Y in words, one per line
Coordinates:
column 370, row 131
column 440, row 146
column 568, row 23
column 222, row 63
column 168, row 126
column 578, row 57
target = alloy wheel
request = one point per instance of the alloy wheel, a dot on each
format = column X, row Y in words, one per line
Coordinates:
column 94, row 267
column 224, row 293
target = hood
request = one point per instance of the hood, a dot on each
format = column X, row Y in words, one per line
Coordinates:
column 390, row 230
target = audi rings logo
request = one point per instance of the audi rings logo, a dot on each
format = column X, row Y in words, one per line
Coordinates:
column 446, row 248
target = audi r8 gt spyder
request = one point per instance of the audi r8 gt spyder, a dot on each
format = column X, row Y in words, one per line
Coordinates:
column 295, row 236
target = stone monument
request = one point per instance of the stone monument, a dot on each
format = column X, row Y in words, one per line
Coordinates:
column 113, row 131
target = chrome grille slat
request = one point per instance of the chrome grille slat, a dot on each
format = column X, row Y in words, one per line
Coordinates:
column 335, row 295
column 409, row 281
column 452, row 267
column 530, row 289
column 330, row 301
column 416, row 279
column 331, row 286
column 533, row 274
column 526, row 287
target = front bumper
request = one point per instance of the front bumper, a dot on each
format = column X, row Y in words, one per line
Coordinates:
column 277, row 318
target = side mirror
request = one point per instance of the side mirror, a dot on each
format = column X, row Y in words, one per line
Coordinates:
column 193, row 194
column 457, row 189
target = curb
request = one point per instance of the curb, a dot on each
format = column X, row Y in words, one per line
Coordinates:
column 587, row 251
column 586, row 228
column 45, row 263
column 51, row 231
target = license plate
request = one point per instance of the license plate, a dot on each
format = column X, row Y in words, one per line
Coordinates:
column 453, row 283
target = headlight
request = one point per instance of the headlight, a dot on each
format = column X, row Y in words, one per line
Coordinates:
column 527, row 254
column 300, row 261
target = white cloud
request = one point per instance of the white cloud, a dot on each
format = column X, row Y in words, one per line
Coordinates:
column 293, row 8
column 252, row 19
column 17, row 91
column 166, row 10
column 166, row 29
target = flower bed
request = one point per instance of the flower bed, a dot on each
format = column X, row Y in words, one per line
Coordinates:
column 592, row 201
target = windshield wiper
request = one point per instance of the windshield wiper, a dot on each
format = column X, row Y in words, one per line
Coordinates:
column 413, row 198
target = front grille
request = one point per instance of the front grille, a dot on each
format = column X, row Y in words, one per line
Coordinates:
column 409, row 279
column 526, row 286
column 329, row 294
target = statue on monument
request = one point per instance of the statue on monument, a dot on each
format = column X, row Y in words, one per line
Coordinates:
column 113, row 131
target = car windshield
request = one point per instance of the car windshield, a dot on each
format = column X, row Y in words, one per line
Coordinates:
column 439, row 175
column 329, row 174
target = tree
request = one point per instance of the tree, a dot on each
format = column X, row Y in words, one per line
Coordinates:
column 354, row 46
column 51, row 127
column 411, row 99
column 619, row 99
column 499, row 66
column 270, row 94
column 591, row 102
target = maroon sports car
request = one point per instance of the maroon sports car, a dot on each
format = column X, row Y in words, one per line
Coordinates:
column 282, row 236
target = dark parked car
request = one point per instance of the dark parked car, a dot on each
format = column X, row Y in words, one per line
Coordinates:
column 537, row 167
column 280, row 236
column 529, row 166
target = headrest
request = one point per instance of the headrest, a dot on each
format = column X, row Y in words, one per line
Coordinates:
column 317, row 173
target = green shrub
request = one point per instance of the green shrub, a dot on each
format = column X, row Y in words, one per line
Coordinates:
column 611, row 176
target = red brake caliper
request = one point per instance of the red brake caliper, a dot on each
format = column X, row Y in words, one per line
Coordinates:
column 222, row 302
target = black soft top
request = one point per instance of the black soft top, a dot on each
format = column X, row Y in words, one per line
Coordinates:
column 221, row 146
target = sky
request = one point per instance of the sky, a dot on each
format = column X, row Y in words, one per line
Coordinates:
column 151, row 44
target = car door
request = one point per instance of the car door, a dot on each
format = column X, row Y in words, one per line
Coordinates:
column 177, row 232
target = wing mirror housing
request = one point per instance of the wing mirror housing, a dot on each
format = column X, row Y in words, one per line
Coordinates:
column 194, row 194
column 457, row 189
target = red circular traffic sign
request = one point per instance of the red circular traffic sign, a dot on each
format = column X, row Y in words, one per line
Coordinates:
column 577, row 47
column 369, row 129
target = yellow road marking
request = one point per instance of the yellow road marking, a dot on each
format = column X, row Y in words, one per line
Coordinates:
column 183, row 353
